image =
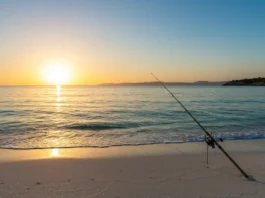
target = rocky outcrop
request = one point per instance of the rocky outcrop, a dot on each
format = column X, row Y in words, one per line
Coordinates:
column 246, row 82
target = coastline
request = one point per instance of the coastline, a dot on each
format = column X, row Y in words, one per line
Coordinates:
column 232, row 146
column 194, row 148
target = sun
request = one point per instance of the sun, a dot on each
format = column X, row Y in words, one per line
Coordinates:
column 57, row 74
column 55, row 152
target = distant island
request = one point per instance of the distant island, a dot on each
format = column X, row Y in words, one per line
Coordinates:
column 246, row 82
column 167, row 83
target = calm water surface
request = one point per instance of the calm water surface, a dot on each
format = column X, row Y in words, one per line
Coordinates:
column 94, row 116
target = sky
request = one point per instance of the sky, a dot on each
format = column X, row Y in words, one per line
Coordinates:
column 116, row 41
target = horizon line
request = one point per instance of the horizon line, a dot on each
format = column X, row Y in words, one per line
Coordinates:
column 121, row 83
column 114, row 83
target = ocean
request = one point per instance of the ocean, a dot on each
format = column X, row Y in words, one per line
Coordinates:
column 102, row 116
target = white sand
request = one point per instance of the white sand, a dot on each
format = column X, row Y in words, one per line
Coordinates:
column 165, row 175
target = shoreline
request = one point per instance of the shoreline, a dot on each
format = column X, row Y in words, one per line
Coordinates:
column 124, row 145
column 231, row 146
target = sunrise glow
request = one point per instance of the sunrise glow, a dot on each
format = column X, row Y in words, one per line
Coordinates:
column 90, row 42
column 57, row 74
column 55, row 152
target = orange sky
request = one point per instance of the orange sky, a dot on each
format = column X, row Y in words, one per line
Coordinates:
column 111, row 42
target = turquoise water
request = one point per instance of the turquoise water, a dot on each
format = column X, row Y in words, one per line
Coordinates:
column 94, row 116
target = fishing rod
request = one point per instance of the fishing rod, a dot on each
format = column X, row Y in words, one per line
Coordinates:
column 207, row 133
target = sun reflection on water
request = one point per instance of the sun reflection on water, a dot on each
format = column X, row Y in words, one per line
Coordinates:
column 58, row 90
column 58, row 93
column 58, row 99
column 58, row 104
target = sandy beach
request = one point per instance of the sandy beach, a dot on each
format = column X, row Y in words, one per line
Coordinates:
column 121, row 99
column 160, row 171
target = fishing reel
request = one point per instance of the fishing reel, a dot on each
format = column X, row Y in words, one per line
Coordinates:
column 211, row 142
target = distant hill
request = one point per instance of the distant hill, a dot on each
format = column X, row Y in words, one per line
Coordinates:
column 246, row 82
column 167, row 83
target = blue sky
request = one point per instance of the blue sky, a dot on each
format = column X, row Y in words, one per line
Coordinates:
column 178, row 40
